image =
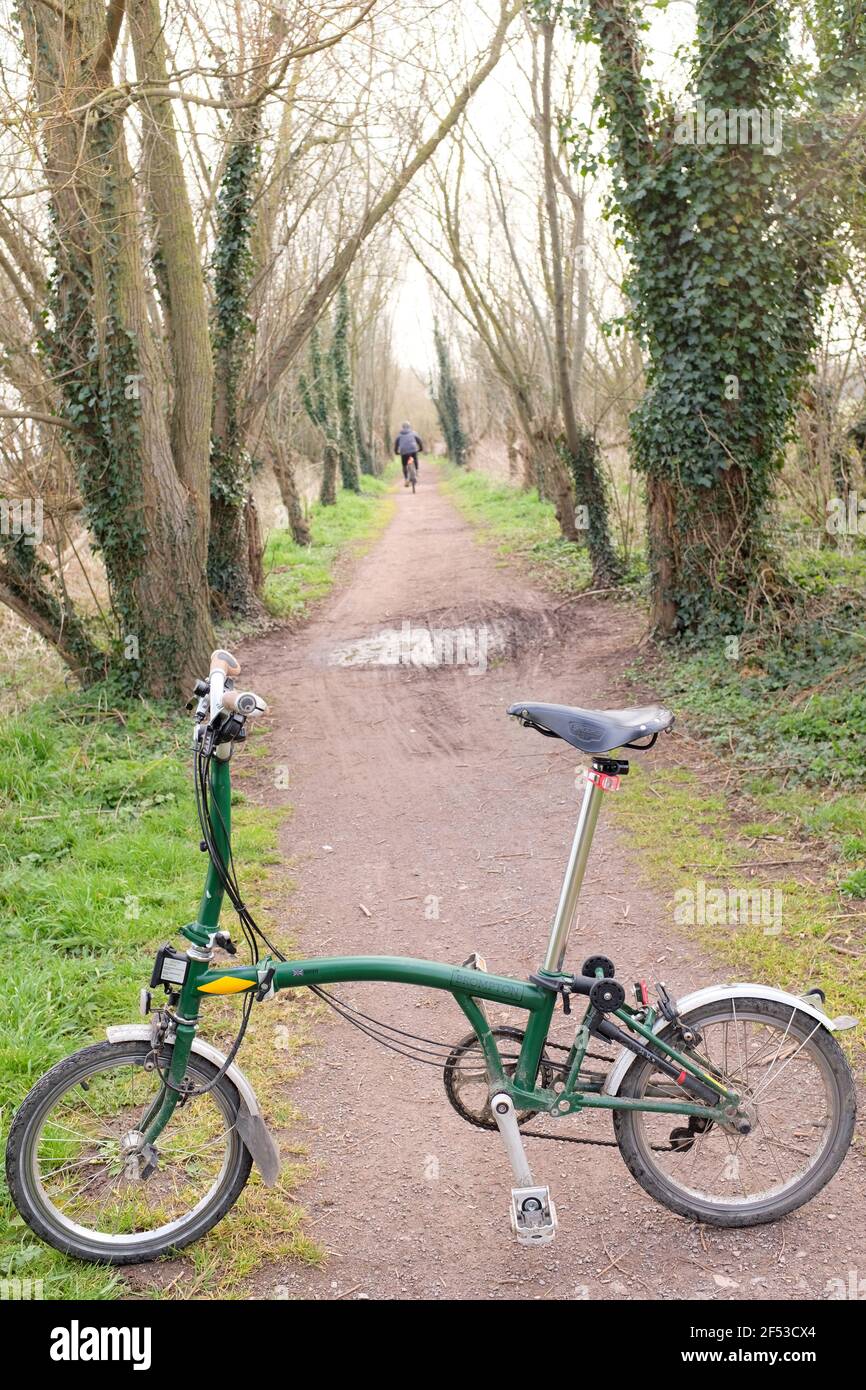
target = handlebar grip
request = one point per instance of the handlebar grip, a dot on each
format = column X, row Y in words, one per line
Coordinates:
column 225, row 662
column 244, row 702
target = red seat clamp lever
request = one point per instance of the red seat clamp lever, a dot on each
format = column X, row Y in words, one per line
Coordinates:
column 605, row 780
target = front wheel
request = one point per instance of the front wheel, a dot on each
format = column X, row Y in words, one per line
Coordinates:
column 799, row 1097
column 82, row 1177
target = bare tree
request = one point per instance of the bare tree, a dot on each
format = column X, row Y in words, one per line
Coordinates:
column 150, row 386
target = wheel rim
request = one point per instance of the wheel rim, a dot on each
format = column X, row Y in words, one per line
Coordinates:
column 81, row 1178
column 790, row 1090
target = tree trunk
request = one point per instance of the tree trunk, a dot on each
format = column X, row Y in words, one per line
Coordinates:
column 707, row 540
column 185, row 303
column 578, row 445
column 557, row 483
column 512, row 452
column 231, row 583
column 528, row 475
column 344, row 394
column 366, row 459
column 232, row 587
column 664, row 562
column 255, row 546
column 283, row 464
column 591, row 497
column 328, row 494
column 144, row 519
column 167, row 633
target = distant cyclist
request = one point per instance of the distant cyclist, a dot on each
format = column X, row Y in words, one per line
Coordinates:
column 408, row 445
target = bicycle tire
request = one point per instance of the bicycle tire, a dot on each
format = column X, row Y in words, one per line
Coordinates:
column 43, row 1217
column 647, row 1169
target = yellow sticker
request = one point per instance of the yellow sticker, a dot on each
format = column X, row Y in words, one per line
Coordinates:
column 226, row 984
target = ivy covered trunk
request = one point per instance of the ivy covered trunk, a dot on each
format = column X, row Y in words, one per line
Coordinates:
column 727, row 275
column 577, row 455
column 582, row 457
column 317, row 393
column 143, row 518
column 552, row 478
column 363, row 446
column 447, row 402
column 345, row 395
column 230, row 574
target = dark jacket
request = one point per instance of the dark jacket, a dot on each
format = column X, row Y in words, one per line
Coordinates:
column 408, row 442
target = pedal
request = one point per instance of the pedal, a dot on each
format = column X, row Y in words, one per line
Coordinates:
column 533, row 1215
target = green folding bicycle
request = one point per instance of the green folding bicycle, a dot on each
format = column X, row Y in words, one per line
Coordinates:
column 733, row 1105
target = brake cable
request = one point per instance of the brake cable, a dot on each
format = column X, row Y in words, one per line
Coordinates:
column 228, row 878
column 226, row 874
column 186, row 1095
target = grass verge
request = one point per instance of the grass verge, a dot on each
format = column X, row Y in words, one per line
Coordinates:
column 295, row 575
column 100, row 865
column 521, row 526
column 754, row 895
column 769, row 794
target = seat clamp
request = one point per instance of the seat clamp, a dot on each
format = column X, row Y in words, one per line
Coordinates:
column 605, row 780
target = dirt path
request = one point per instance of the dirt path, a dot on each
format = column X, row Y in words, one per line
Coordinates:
column 414, row 794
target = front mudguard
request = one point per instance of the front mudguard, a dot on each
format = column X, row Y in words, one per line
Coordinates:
column 251, row 1127
column 712, row 994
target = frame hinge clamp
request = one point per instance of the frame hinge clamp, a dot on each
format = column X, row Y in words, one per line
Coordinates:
column 564, row 987
column 266, row 983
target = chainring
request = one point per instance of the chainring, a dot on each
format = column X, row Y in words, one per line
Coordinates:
column 466, row 1083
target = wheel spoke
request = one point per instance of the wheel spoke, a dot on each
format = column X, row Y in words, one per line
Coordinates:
column 785, row 1065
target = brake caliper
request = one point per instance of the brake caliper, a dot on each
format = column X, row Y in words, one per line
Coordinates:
column 683, row 1033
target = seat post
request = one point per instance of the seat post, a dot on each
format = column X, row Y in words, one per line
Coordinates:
column 571, row 883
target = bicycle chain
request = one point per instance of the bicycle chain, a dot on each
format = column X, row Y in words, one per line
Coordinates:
column 570, row 1139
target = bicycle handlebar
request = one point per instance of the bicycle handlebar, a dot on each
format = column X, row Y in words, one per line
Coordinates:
column 246, row 703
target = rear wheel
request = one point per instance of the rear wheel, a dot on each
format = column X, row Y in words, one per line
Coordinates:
column 800, row 1099
column 82, row 1178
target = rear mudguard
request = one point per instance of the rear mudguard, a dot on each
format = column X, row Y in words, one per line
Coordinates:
column 711, row 994
column 251, row 1127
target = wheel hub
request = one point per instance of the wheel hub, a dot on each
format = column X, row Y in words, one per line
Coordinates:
column 139, row 1158
column 742, row 1118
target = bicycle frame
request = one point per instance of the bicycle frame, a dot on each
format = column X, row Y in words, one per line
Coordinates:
column 470, row 988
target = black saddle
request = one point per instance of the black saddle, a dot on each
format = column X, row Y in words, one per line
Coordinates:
column 595, row 730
